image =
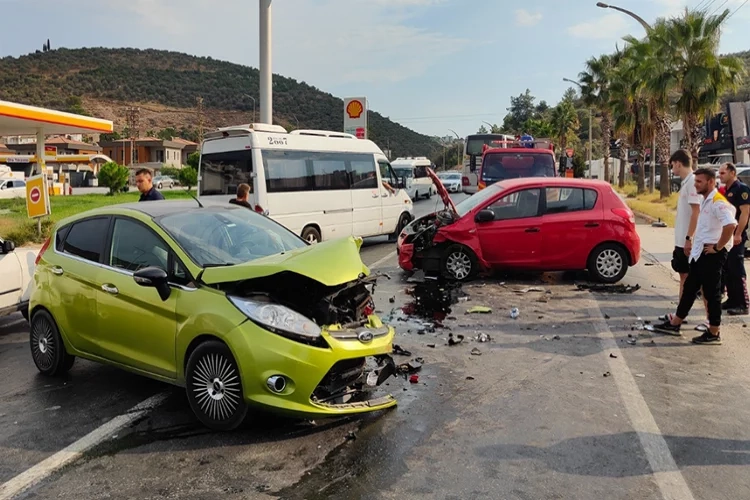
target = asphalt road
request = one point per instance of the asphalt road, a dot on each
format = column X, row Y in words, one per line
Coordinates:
column 532, row 416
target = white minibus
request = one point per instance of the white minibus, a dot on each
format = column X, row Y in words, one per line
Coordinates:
column 319, row 184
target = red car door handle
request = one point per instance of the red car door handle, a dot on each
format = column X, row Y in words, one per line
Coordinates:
column 591, row 224
column 532, row 230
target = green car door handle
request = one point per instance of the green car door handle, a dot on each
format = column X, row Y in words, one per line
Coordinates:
column 110, row 288
column 57, row 270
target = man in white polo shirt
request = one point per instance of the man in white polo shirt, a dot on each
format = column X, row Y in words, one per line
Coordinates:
column 713, row 240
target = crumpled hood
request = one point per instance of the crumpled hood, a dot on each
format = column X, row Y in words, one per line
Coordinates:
column 331, row 263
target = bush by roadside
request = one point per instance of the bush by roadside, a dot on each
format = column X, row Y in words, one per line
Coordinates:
column 650, row 204
column 16, row 226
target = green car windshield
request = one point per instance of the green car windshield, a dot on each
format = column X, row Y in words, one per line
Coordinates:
column 227, row 236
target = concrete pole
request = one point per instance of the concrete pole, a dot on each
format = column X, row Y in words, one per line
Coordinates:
column 40, row 151
column 266, row 73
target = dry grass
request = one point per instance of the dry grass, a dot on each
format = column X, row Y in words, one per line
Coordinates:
column 651, row 204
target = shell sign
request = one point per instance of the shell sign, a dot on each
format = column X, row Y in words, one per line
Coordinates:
column 355, row 116
column 354, row 109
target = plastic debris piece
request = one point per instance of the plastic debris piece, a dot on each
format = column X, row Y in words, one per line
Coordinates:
column 613, row 356
column 392, row 299
column 453, row 341
column 607, row 374
column 479, row 310
column 351, row 436
column 601, row 287
column 414, row 379
column 515, row 313
column 476, row 352
column 483, row 337
column 631, row 341
column 640, row 375
column 397, row 349
column 432, row 346
column 469, row 378
column 556, row 337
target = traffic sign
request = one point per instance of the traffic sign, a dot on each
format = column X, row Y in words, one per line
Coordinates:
column 37, row 198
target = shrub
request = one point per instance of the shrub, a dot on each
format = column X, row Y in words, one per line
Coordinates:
column 113, row 176
column 188, row 177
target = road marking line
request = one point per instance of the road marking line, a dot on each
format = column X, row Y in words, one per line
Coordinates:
column 74, row 451
column 666, row 474
column 383, row 260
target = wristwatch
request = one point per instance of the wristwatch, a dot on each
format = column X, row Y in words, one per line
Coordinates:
column 716, row 249
column 687, row 238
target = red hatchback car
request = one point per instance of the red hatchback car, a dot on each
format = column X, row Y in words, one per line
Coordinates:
column 535, row 223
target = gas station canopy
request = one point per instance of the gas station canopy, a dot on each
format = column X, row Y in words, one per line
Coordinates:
column 18, row 119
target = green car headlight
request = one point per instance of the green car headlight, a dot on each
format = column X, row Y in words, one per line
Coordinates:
column 280, row 320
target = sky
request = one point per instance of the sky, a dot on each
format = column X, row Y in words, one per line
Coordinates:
column 431, row 65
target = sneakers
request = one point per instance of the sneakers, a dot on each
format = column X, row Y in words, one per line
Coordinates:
column 707, row 339
column 668, row 328
column 738, row 311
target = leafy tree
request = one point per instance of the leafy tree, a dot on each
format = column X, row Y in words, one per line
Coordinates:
column 172, row 172
column 188, row 177
column 114, row 136
column 483, row 130
column 194, row 159
column 564, row 120
column 113, row 176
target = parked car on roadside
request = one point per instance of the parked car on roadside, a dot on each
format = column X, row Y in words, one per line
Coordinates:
column 544, row 224
column 16, row 269
column 12, row 188
column 220, row 300
column 160, row 181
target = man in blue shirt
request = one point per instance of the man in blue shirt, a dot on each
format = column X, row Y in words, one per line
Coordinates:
column 733, row 275
column 145, row 183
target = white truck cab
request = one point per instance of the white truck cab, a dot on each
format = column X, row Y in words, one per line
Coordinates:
column 414, row 170
column 16, row 272
column 319, row 184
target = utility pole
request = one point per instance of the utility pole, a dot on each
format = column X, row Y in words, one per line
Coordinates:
column 266, row 72
column 199, row 104
column 132, row 118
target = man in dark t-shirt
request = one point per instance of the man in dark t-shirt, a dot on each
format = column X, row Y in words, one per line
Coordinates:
column 243, row 195
column 145, row 182
column 733, row 275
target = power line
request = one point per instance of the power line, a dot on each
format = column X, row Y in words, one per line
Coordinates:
column 738, row 8
column 443, row 116
column 719, row 7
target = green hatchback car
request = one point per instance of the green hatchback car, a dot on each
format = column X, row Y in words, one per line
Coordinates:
column 220, row 300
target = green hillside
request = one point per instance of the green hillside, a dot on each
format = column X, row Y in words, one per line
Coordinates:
column 743, row 93
column 173, row 79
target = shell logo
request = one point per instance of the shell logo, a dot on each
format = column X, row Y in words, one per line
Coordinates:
column 354, row 109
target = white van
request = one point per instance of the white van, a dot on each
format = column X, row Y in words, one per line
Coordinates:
column 414, row 169
column 319, row 184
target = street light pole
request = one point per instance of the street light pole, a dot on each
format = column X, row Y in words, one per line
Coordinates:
column 591, row 135
column 645, row 25
column 253, row 98
column 266, row 75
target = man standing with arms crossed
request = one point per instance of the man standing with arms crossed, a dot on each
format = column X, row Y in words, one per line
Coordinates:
column 734, row 276
column 713, row 239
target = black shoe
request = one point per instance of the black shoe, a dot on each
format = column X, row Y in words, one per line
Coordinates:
column 725, row 306
column 738, row 311
column 707, row 339
column 667, row 317
column 668, row 328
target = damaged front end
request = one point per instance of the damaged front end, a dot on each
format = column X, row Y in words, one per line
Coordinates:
column 339, row 354
column 417, row 246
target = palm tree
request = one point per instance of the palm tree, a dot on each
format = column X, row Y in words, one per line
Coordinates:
column 564, row 119
column 631, row 111
column 648, row 68
column 686, row 67
column 596, row 80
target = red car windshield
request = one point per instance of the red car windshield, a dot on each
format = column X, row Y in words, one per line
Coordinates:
column 502, row 166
